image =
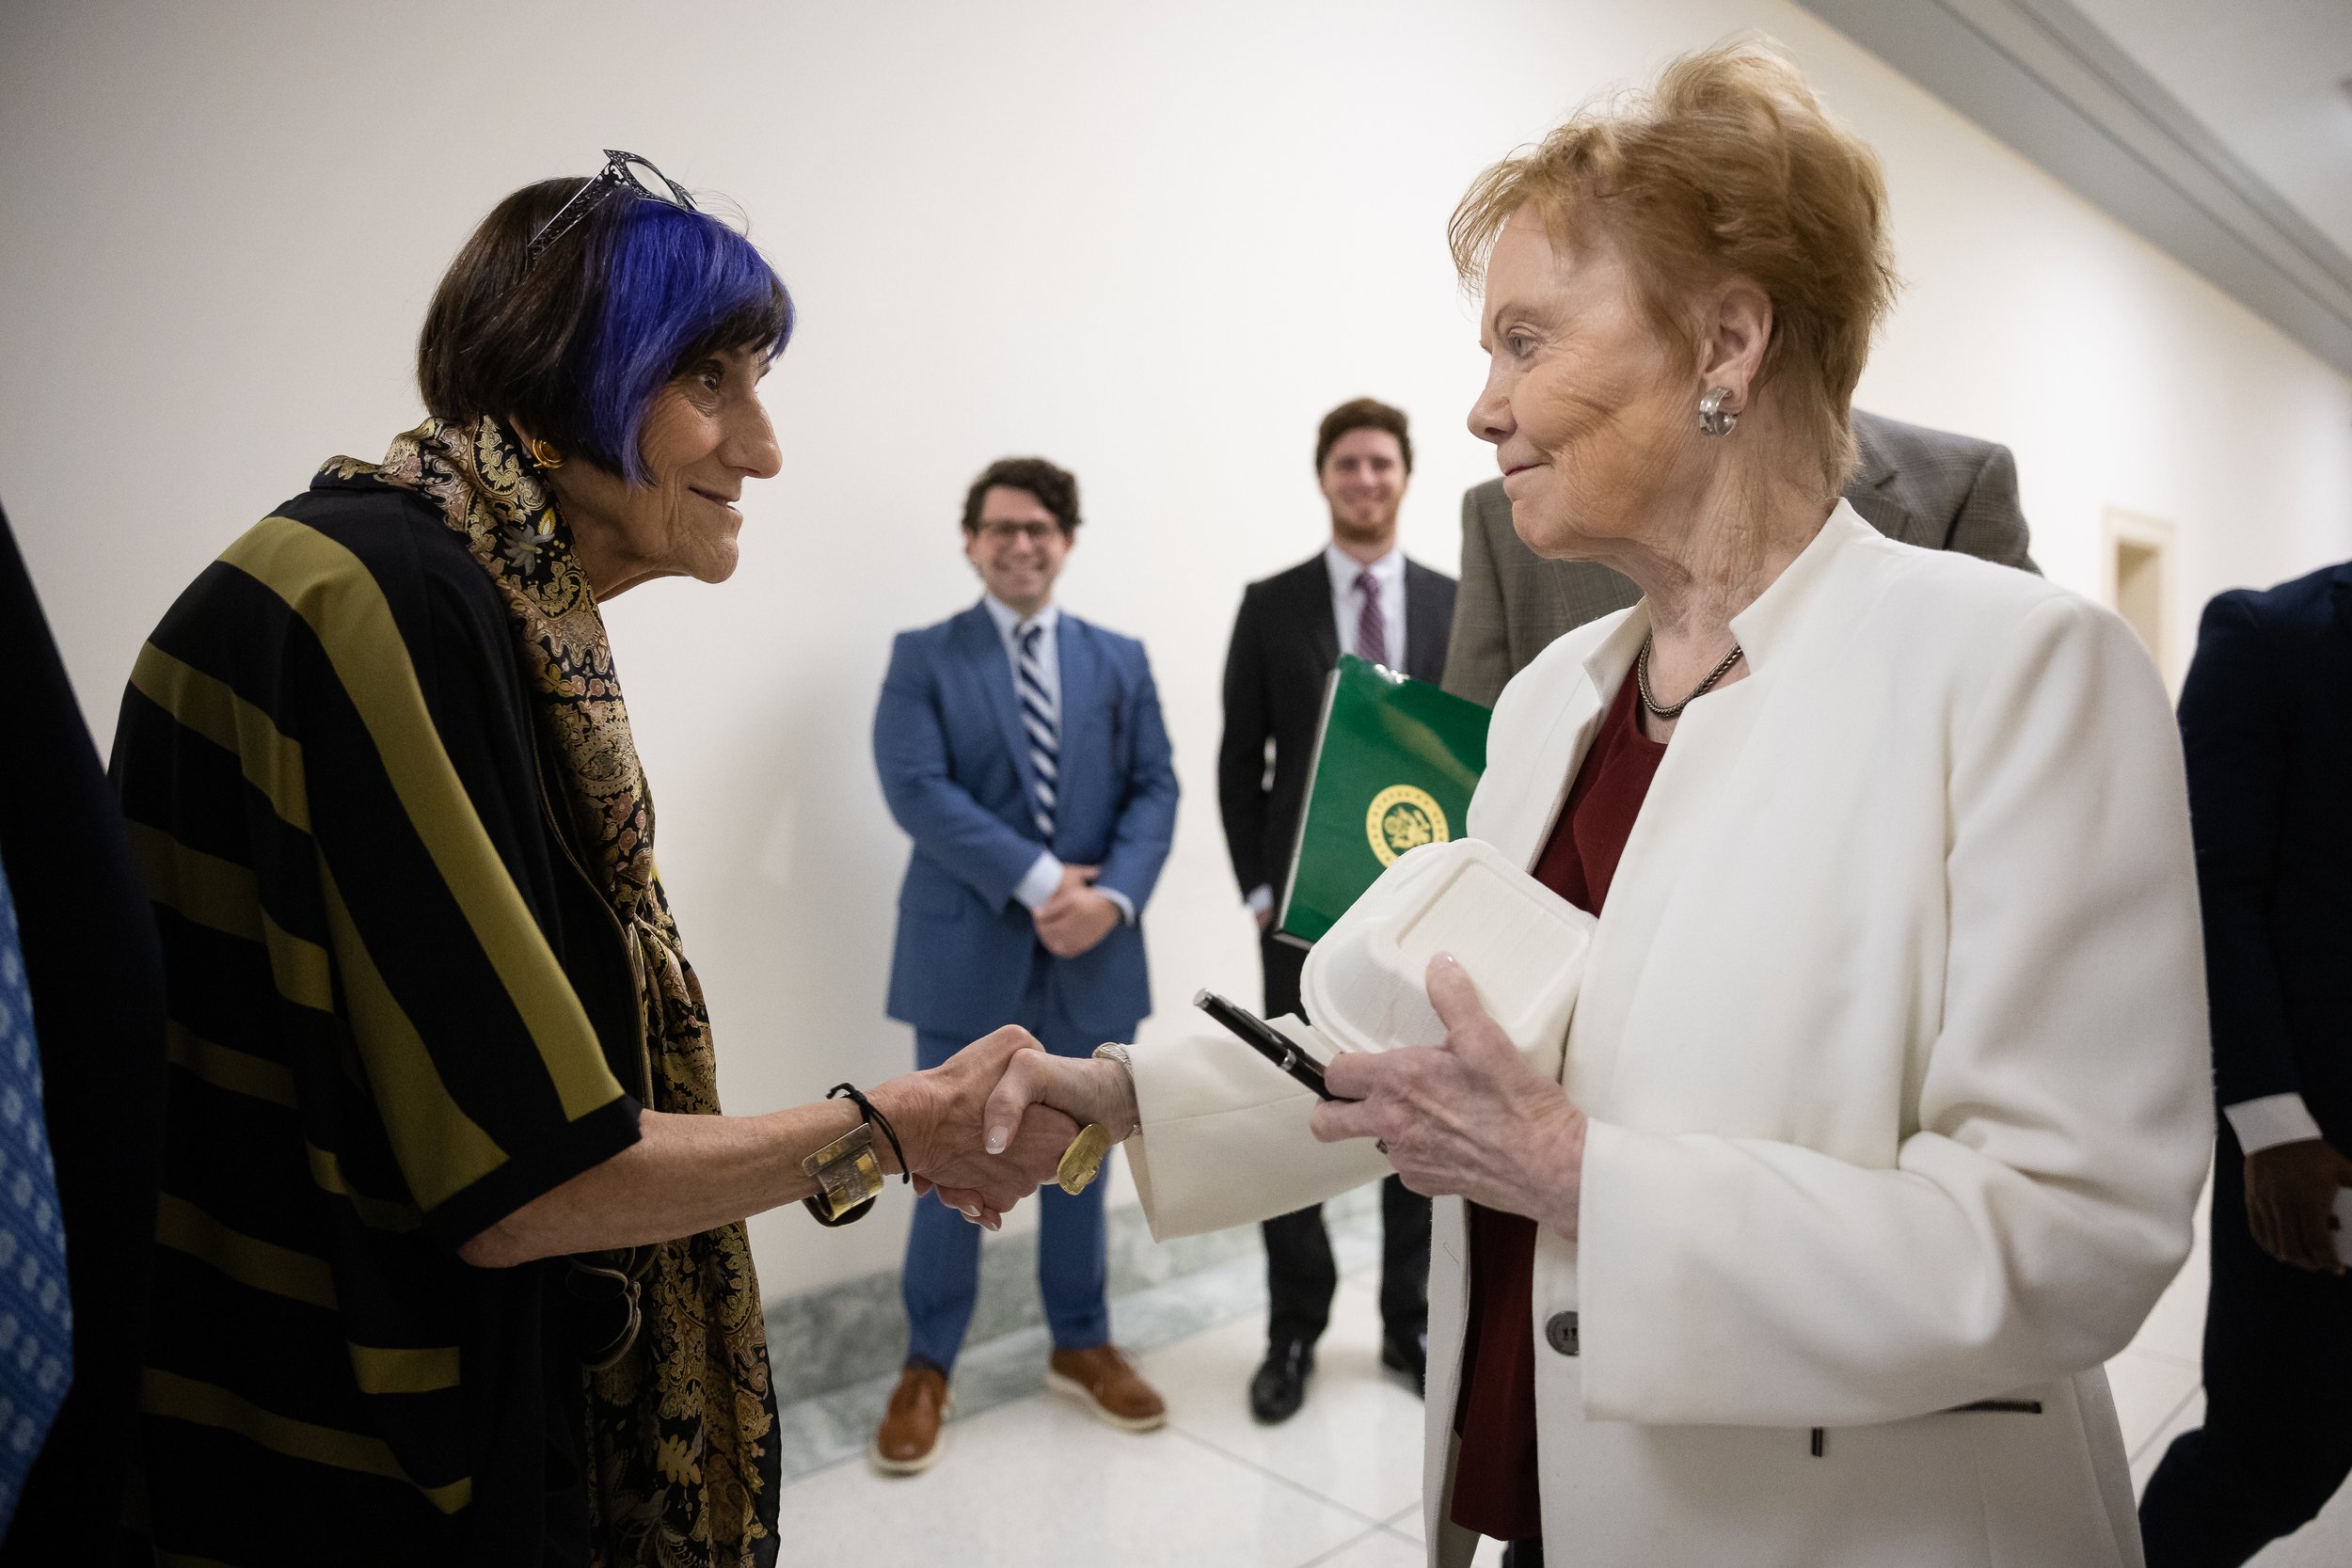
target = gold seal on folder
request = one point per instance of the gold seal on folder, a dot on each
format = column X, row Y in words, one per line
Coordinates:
column 1403, row 817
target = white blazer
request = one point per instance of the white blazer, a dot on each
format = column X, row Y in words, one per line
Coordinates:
column 1893, row 1039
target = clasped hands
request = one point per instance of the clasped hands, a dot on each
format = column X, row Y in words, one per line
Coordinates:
column 1075, row 916
column 1466, row 1119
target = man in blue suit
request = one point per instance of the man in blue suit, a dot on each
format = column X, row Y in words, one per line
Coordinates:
column 1022, row 749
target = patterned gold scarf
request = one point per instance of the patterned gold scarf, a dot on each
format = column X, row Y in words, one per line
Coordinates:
column 682, row 1467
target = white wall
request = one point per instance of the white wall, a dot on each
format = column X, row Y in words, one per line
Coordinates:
column 1152, row 243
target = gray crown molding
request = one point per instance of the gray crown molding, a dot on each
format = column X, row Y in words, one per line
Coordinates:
column 2042, row 77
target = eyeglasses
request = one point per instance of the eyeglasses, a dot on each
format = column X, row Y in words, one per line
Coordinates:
column 619, row 173
column 1001, row 532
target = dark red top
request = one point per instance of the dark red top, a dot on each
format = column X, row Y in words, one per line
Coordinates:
column 1494, row 1475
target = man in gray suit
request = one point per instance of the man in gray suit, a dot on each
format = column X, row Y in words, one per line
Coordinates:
column 1925, row 487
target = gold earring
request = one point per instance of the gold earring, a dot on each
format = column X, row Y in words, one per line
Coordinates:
column 544, row 455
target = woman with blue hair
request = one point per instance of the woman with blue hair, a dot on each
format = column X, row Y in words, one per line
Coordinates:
column 451, row 1265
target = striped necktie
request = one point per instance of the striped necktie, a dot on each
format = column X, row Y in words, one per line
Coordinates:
column 1372, row 627
column 1039, row 718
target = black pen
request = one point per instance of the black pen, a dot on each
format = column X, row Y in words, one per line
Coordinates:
column 1267, row 1041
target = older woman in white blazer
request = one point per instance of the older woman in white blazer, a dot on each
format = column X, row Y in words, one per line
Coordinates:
column 1883, row 1107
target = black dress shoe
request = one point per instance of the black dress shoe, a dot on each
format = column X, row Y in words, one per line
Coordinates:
column 1279, row 1386
column 1410, row 1356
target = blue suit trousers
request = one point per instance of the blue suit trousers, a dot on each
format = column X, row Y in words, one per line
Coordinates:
column 942, row 1278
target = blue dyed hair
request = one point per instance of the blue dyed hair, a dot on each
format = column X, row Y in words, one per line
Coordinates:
column 677, row 287
column 579, row 345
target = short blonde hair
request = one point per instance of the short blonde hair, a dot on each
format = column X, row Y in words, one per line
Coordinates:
column 1729, row 168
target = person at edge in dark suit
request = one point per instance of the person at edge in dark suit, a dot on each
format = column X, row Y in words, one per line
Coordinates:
column 1357, row 594
column 1022, row 749
column 91, row 969
column 2266, row 725
column 1925, row 487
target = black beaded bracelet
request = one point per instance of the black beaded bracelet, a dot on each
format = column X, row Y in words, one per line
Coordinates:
column 875, row 1115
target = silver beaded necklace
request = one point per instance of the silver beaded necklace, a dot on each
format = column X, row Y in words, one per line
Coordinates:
column 1649, row 698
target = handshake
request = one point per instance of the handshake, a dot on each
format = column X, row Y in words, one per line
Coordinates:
column 1470, row 1117
column 994, row 1122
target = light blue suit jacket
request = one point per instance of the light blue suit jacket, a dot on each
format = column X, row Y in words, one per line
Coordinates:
column 955, row 769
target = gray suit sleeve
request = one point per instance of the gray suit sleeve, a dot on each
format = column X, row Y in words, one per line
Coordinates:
column 1991, row 523
column 1478, row 653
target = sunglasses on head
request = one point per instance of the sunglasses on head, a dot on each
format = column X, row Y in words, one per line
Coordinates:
column 619, row 173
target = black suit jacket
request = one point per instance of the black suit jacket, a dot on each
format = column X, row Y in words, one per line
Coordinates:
column 1285, row 643
column 96, row 972
column 2266, row 725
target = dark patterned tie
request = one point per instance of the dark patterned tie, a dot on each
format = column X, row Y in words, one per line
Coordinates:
column 1372, row 627
column 1043, row 724
column 36, row 1314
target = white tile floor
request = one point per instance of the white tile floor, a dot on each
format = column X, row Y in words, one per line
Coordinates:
column 1037, row 1483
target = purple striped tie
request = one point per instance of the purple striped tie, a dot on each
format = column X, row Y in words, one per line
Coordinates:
column 1372, row 627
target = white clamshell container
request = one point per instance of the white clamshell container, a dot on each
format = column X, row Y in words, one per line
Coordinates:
column 1523, row 944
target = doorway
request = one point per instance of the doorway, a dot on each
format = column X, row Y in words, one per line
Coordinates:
column 2139, row 557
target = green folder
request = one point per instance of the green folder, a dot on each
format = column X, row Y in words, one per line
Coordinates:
column 1396, row 762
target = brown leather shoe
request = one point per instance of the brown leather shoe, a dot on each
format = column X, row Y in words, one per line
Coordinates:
column 1101, row 1380
column 907, row 1441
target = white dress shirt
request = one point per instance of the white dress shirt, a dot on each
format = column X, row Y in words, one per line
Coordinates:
column 2270, row 1120
column 1044, row 873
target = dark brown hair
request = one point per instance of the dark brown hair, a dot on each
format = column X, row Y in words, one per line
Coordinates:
column 578, row 343
column 1362, row 414
column 1056, row 489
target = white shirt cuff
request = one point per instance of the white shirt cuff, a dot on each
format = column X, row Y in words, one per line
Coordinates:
column 1044, row 877
column 1126, row 906
column 1261, row 900
column 2269, row 1121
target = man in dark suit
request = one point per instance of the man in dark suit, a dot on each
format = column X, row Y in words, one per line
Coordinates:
column 1021, row 749
column 1923, row 486
column 1359, row 594
column 2266, row 725
column 93, row 971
